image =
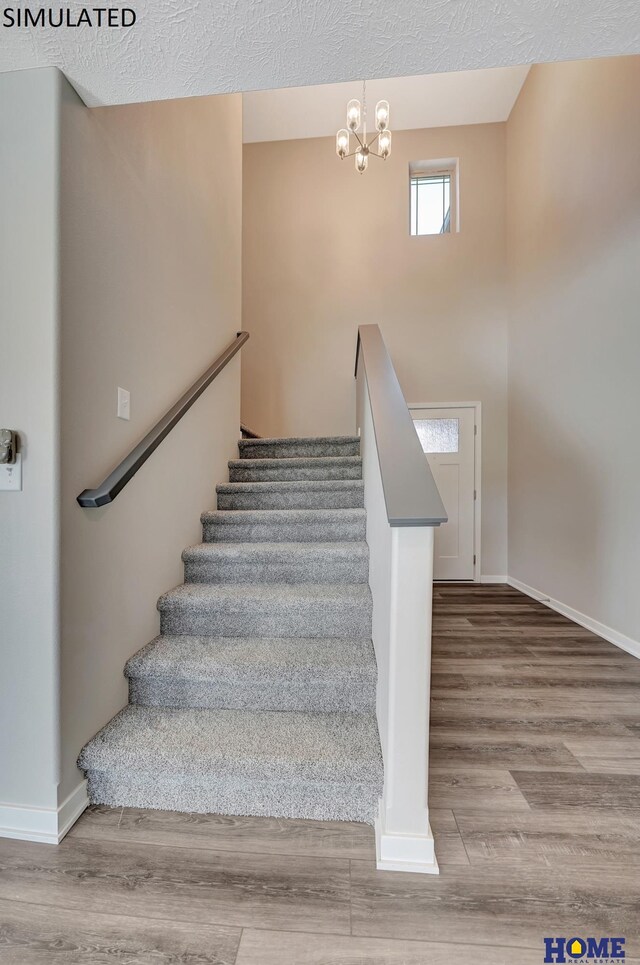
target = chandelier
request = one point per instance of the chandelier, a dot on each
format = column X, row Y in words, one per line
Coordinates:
column 357, row 116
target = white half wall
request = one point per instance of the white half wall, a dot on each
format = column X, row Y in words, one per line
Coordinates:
column 401, row 580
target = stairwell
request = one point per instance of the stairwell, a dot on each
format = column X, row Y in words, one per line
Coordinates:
column 258, row 697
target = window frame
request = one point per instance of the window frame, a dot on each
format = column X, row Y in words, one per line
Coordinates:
column 435, row 169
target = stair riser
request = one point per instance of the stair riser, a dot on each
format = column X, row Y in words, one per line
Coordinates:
column 317, row 801
column 218, row 532
column 323, row 499
column 304, row 620
column 323, row 570
column 354, row 695
column 250, row 449
column 238, row 473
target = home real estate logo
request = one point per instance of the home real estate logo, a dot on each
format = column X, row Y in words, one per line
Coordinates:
column 590, row 951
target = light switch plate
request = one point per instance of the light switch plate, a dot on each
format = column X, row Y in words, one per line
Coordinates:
column 124, row 404
column 11, row 476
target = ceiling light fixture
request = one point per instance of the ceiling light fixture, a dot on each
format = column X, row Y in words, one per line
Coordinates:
column 357, row 117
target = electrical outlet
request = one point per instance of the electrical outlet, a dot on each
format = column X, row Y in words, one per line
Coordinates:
column 124, row 404
column 11, row 475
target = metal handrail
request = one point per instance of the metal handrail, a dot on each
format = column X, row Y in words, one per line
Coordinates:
column 115, row 482
column 410, row 492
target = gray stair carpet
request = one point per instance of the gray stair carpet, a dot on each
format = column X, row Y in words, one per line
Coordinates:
column 277, row 562
column 290, row 470
column 318, row 674
column 301, row 494
column 259, row 695
column 284, row 526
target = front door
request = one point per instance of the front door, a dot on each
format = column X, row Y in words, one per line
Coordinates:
column 448, row 440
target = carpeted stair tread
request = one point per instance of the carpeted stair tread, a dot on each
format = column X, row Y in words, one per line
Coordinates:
column 301, row 494
column 258, row 745
column 299, row 447
column 267, row 610
column 317, row 675
column 267, row 562
column 284, row 525
column 205, row 658
column 291, row 469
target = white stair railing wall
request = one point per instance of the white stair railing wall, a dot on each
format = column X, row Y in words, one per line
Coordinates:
column 401, row 580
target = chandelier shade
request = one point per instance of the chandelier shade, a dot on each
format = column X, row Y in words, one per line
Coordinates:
column 384, row 144
column 342, row 143
column 353, row 115
column 378, row 146
column 382, row 115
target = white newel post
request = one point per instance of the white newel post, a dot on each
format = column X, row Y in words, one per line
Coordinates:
column 401, row 580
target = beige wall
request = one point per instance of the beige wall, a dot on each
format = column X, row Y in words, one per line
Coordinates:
column 325, row 249
column 574, row 345
column 150, row 293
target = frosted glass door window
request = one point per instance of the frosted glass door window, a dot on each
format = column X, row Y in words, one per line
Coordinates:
column 438, row 435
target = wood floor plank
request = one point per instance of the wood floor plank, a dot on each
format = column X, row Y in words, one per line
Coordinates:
column 285, row 948
column 544, row 789
column 558, row 728
column 567, row 646
column 547, row 635
column 547, row 618
column 465, row 650
column 478, row 751
column 269, row 891
column 462, row 788
column 466, row 607
column 494, row 904
column 216, row 832
column 590, row 667
column 546, row 706
column 538, row 685
column 562, row 837
column 607, row 755
column 41, row 935
column 618, row 697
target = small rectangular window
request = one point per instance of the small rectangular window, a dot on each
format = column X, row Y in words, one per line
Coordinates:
column 438, row 435
column 430, row 204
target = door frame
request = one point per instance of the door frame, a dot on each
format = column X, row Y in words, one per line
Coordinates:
column 477, row 475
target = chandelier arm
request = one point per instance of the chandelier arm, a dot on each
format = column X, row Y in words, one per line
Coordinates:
column 374, row 139
column 357, row 137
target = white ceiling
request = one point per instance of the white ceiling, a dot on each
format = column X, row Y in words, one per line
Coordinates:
column 434, row 100
column 180, row 48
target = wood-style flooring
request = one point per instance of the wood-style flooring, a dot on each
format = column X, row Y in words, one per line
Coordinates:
column 535, row 807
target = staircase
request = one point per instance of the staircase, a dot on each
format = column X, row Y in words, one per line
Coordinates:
column 258, row 697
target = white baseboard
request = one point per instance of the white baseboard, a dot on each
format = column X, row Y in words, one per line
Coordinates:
column 494, row 579
column 607, row 633
column 405, row 852
column 47, row 825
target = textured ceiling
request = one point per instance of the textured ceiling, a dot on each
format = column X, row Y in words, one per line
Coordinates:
column 434, row 100
column 180, row 48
